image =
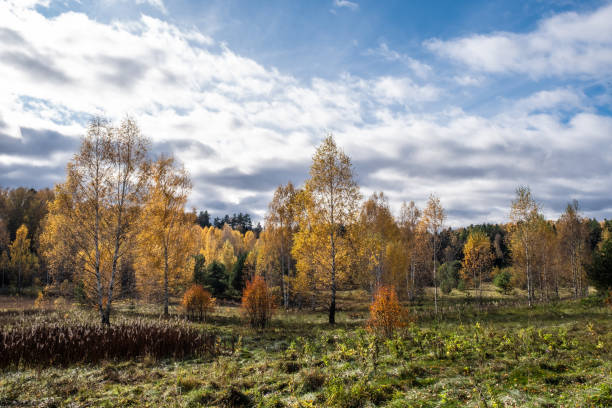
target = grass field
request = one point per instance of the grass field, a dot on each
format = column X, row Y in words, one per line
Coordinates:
column 550, row 355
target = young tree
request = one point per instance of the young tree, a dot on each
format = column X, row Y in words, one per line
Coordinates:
column 96, row 209
column 331, row 200
column 377, row 229
column 477, row 259
column 197, row 301
column 281, row 223
column 165, row 236
column 573, row 235
column 258, row 302
column 449, row 276
column 408, row 225
column 433, row 221
column 386, row 313
column 4, row 245
column 22, row 259
column 216, row 278
column 523, row 233
column 236, row 278
column 547, row 254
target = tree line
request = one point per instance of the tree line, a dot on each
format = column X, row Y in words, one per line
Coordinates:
column 118, row 226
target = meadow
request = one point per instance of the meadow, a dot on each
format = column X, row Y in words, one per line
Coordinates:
column 501, row 354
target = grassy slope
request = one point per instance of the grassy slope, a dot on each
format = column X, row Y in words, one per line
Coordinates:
column 554, row 355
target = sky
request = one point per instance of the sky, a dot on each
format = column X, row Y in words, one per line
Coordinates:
column 465, row 100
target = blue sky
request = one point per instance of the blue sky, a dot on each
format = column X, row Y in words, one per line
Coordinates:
column 463, row 99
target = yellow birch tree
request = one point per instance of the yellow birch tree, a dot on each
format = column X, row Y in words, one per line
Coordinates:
column 331, row 209
column 477, row 259
column 433, row 220
column 165, row 239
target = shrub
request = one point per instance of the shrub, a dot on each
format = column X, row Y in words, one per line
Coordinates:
column 386, row 314
column 198, row 302
column 40, row 301
column 258, row 303
column 62, row 344
column 312, row 379
column 234, row 398
column 449, row 276
column 60, row 303
column 503, row 280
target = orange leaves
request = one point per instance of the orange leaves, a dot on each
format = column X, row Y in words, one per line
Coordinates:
column 197, row 301
column 386, row 314
column 258, row 302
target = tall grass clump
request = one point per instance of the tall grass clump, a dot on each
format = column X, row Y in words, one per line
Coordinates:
column 62, row 344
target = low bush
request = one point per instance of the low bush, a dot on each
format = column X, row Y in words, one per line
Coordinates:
column 312, row 379
column 386, row 314
column 198, row 302
column 258, row 303
column 63, row 344
column 503, row 281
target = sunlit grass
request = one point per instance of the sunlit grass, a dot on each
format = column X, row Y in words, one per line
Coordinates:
column 548, row 355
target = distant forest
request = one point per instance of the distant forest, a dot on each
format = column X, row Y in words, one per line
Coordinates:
column 241, row 222
column 28, row 206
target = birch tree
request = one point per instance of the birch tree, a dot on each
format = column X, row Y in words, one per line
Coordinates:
column 331, row 206
column 433, row 221
column 95, row 210
column 23, row 261
column 573, row 245
column 477, row 259
column 281, row 223
column 408, row 225
column 165, row 239
column 523, row 233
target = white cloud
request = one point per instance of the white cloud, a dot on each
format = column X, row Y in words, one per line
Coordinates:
column 242, row 128
column 550, row 99
column 419, row 68
column 566, row 44
column 401, row 90
column 158, row 4
column 346, row 3
column 28, row 3
column 468, row 80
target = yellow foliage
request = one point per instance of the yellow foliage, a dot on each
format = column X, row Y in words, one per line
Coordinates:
column 258, row 302
column 23, row 260
column 197, row 301
column 477, row 258
column 386, row 314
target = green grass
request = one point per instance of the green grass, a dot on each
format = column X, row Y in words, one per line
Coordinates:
column 549, row 355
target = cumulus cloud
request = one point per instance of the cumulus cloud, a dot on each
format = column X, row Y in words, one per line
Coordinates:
column 242, row 128
column 565, row 44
